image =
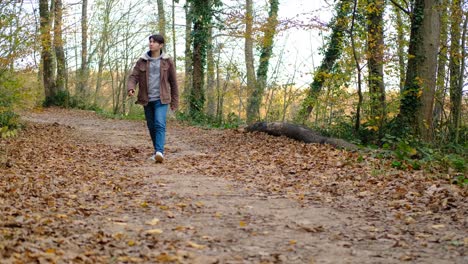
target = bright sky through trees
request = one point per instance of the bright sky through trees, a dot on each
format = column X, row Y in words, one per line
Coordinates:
column 297, row 47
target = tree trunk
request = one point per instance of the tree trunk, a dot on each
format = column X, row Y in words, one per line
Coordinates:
column 333, row 51
column 201, row 18
column 375, row 49
column 83, row 75
column 255, row 99
column 219, row 94
column 174, row 35
column 58, row 44
column 455, row 69
column 161, row 18
column 52, row 49
column 400, row 27
column 441, row 66
column 249, row 57
column 112, row 84
column 300, row 133
column 210, row 86
column 463, row 67
column 197, row 95
column 103, row 46
column 46, row 46
column 359, row 70
column 418, row 95
column 188, row 53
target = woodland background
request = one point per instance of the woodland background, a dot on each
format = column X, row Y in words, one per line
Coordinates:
column 391, row 74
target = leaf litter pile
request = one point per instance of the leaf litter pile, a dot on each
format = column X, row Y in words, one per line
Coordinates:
column 64, row 198
column 409, row 207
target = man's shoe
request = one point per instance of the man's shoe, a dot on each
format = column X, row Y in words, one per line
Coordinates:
column 159, row 157
column 152, row 158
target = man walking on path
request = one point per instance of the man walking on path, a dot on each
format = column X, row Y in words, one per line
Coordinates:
column 155, row 74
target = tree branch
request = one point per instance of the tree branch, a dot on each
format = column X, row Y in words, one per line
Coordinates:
column 400, row 7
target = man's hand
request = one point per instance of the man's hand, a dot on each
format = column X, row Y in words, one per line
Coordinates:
column 131, row 93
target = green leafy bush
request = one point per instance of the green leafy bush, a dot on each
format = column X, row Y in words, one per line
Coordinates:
column 10, row 96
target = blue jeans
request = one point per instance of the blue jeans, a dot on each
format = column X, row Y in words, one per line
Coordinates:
column 155, row 114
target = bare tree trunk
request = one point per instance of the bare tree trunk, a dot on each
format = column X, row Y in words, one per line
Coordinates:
column 269, row 102
column 188, row 53
column 99, row 73
column 83, row 76
column 249, row 57
column 463, row 67
column 375, row 48
column 103, row 46
column 58, row 44
column 210, row 86
column 197, row 94
column 77, row 67
column 455, row 69
column 46, row 46
column 255, row 99
column 161, row 18
column 359, row 69
column 120, row 85
column 219, row 95
column 431, row 30
column 283, row 112
column 126, row 68
column 174, row 35
column 114, row 99
column 400, row 27
column 441, row 66
column 52, row 49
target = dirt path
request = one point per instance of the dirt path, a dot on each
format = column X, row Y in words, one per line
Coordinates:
column 137, row 211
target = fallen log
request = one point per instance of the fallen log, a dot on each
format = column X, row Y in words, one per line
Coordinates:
column 300, row 133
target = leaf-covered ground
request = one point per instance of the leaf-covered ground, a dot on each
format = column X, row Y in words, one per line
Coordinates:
column 77, row 188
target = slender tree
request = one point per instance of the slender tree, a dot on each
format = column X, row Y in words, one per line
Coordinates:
column 333, row 52
column 249, row 57
column 357, row 122
column 174, row 33
column 266, row 50
column 210, row 86
column 58, row 45
column 188, row 53
column 401, row 29
column 103, row 44
column 375, row 50
column 161, row 18
column 83, row 75
column 462, row 77
column 441, row 65
column 455, row 68
column 46, row 50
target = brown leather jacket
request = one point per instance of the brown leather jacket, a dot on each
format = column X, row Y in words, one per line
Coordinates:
column 169, row 92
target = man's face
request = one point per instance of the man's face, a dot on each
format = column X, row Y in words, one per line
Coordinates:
column 153, row 45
